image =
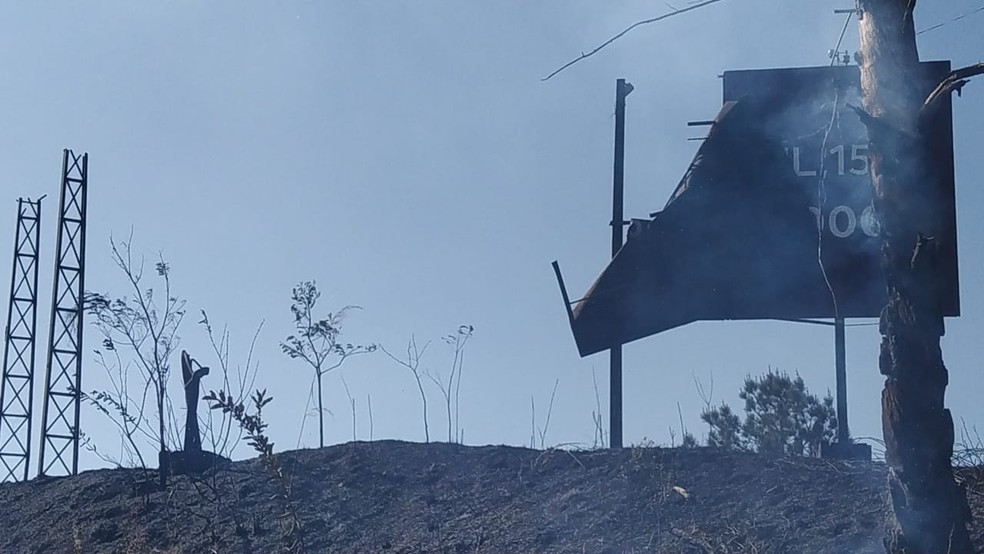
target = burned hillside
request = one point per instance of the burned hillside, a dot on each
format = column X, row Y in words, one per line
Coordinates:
column 393, row 496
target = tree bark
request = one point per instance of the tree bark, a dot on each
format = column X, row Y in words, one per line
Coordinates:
column 930, row 508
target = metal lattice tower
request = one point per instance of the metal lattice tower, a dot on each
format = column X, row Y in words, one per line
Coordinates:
column 17, row 386
column 59, row 454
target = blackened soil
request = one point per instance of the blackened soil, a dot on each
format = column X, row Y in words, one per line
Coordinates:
column 403, row 497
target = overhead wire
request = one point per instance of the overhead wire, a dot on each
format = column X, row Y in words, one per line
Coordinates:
column 625, row 31
column 955, row 19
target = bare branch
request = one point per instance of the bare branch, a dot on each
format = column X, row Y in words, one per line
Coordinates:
column 413, row 363
column 624, row 32
column 546, row 424
column 953, row 82
column 351, row 400
column 147, row 331
column 220, row 433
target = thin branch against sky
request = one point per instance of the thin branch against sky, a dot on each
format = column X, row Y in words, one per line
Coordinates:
column 626, row 31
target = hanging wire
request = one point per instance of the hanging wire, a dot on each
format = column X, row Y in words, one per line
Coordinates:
column 822, row 199
column 822, row 172
column 955, row 19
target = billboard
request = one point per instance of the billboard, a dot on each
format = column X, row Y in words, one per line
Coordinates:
column 771, row 220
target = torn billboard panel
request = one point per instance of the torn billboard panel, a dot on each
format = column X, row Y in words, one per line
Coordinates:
column 744, row 233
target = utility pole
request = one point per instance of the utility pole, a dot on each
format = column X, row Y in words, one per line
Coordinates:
column 930, row 509
column 622, row 89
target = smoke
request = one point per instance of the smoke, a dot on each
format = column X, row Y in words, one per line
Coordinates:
column 772, row 220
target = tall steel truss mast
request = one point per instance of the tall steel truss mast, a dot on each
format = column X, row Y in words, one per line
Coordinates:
column 17, row 386
column 59, row 452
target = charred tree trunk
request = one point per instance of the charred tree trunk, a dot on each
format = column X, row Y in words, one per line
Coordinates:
column 192, row 384
column 930, row 508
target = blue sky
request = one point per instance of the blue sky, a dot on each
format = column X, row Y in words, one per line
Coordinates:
column 408, row 157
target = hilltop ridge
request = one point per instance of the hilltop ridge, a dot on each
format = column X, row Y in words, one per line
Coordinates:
column 392, row 496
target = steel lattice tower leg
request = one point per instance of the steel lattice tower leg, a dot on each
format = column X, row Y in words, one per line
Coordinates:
column 59, row 454
column 17, row 386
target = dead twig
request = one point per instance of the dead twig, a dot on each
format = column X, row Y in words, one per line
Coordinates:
column 413, row 364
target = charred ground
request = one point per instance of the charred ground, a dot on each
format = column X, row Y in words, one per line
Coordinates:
column 391, row 496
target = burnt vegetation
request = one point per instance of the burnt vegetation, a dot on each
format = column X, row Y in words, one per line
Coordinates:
column 390, row 496
column 758, row 487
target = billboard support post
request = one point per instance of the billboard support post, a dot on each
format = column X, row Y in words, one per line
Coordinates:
column 840, row 356
column 622, row 89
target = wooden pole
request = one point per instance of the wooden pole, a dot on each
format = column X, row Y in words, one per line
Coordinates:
column 930, row 510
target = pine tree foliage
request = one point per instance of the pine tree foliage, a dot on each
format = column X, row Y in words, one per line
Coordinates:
column 782, row 417
column 724, row 428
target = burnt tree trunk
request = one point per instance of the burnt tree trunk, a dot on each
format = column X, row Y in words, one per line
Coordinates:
column 192, row 384
column 931, row 512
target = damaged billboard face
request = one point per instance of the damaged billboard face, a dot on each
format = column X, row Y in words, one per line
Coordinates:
column 773, row 219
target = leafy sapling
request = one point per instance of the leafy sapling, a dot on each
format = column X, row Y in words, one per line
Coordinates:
column 251, row 422
column 316, row 341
